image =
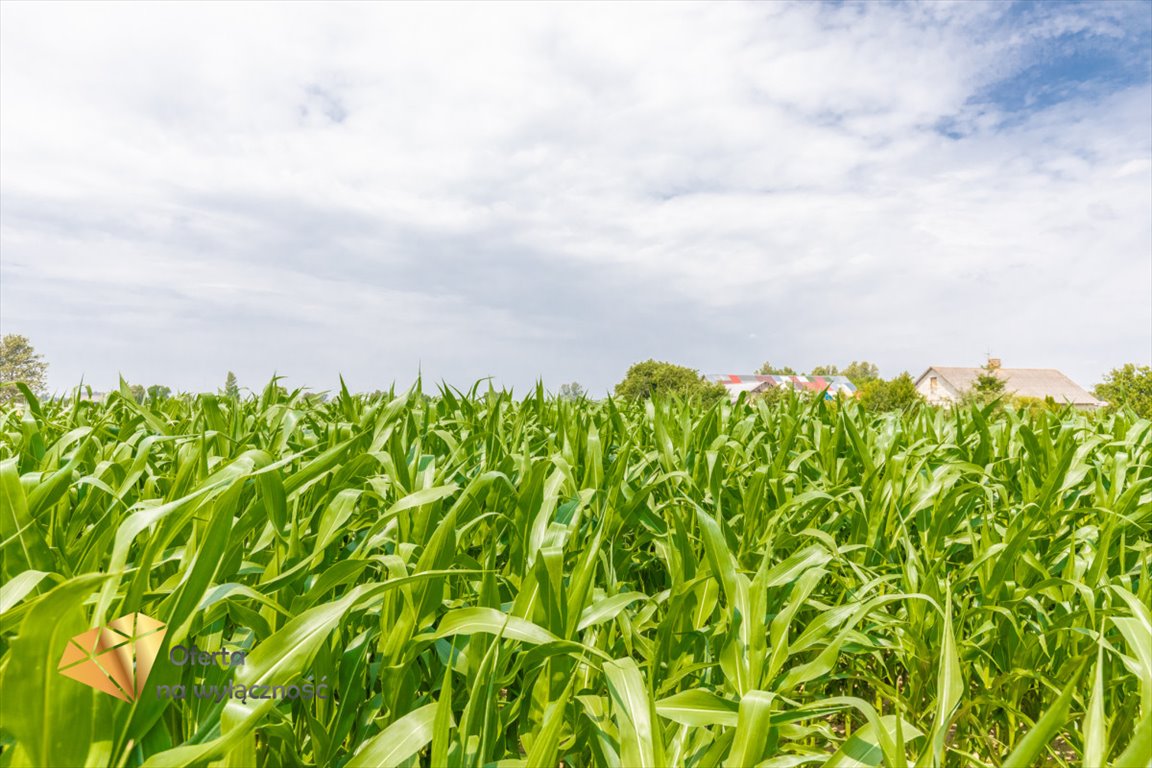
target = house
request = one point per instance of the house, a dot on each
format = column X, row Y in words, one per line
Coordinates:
column 754, row 383
column 941, row 385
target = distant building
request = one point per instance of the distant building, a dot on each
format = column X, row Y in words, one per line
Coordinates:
column 941, row 385
column 754, row 383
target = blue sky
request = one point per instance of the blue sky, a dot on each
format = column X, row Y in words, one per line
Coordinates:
column 557, row 191
column 1091, row 51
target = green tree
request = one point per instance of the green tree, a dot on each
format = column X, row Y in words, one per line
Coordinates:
column 138, row 392
column 894, row 395
column 860, row 372
column 231, row 388
column 1128, row 387
column 769, row 369
column 986, row 387
column 572, row 391
column 158, row 392
column 825, row 370
column 19, row 362
column 652, row 377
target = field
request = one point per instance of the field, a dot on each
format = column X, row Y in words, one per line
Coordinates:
column 481, row 580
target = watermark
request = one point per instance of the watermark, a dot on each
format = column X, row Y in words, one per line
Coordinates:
column 305, row 690
column 116, row 658
column 182, row 656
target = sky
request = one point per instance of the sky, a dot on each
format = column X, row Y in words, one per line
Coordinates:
column 556, row 191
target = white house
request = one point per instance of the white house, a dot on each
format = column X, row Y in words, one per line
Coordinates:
column 941, row 385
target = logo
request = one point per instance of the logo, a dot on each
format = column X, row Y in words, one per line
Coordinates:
column 116, row 658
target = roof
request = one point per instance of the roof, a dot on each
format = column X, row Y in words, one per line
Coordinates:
column 1025, row 382
column 750, row 382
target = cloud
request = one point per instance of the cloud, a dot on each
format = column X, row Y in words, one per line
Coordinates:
column 558, row 191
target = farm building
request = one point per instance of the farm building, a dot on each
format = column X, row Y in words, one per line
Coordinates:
column 941, row 385
column 754, row 383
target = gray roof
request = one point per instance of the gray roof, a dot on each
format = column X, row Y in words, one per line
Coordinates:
column 1025, row 382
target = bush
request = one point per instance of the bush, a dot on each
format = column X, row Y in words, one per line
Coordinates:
column 894, row 395
column 652, row 377
column 1035, row 405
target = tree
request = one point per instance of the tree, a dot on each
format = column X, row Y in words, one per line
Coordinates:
column 825, row 370
column 231, row 388
column 137, row 391
column 1128, row 387
column 986, row 387
column 572, row 391
column 860, row 372
column 19, row 362
column 769, row 369
column 894, row 395
column 651, row 377
column 158, row 392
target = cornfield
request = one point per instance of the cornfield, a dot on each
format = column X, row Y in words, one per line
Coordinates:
column 481, row 580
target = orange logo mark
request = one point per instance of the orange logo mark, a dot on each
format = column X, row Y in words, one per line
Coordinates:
column 116, row 658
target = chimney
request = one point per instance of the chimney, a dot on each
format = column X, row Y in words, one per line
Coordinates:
column 993, row 363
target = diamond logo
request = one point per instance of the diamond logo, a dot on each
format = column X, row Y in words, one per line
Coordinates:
column 116, row 658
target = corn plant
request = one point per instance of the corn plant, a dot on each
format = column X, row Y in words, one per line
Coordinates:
column 483, row 580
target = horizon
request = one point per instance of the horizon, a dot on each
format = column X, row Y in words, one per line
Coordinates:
column 555, row 193
column 424, row 383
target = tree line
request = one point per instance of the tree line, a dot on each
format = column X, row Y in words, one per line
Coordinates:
column 651, row 377
column 1129, row 386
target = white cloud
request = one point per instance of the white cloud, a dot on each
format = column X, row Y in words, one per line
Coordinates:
column 559, row 190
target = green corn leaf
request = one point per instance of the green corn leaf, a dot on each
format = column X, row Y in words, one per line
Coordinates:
column 1095, row 725
column 1138, row 753
column 640, row 742
column 397, row 743
column 56, row 721
column 469, row 621
column 753, row 726
column 949, row 692
column 698, row 707
column 22, row 539
column 1050, row 723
